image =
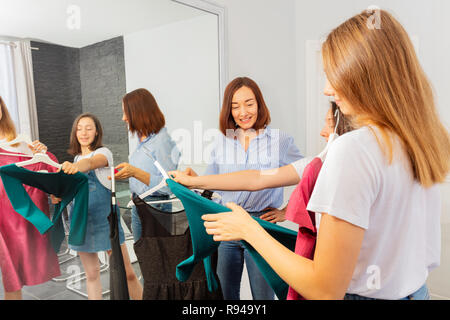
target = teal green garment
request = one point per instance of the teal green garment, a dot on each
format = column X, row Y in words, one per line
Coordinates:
column 203, row 244
column 64, row 186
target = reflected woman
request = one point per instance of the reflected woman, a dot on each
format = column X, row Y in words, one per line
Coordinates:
column 144, row 118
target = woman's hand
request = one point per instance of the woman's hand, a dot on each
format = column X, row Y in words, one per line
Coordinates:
column 37, row 147
column 69, row 167
column 230, row 226
column 54, row 199
column 274, row 215
column 184, row 177
column 126, row 171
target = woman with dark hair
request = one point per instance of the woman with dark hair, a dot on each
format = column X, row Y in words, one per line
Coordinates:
column 145, row 119
column 248, row 142
column 94, row 159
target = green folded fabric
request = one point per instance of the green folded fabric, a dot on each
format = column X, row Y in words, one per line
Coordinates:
column 203, row 244
column 64, row 186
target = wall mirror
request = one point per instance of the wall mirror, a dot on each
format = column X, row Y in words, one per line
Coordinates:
column 61, row 58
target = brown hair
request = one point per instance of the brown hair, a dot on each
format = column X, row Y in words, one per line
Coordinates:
column 143, row 114
column 75, row 147
column 344, row 124
column 226, row 118
column 7, row 128
column 377, row 71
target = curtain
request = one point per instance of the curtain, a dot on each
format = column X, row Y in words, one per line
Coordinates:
column 17, row 86
column 7, row 82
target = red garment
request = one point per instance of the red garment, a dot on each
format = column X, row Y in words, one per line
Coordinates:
column 296, row 212
column 27, row 258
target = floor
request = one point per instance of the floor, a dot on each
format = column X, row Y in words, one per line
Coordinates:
column 438, row 281
column 57, row 289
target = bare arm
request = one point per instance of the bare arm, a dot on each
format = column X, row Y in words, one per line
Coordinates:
column 85, row 165
column 326, row 277
column 126, row 171
column 248, row 180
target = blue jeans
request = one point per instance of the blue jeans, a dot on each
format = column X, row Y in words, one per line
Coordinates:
column 136, row 226
column 230, row 265
column 421, row 294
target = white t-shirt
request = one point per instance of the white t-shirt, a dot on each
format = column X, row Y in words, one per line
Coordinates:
column 101, row 173
column 402, row 219
column 301, row 164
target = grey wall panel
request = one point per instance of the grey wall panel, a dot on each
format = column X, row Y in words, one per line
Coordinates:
column 56, row 71
column 102, row 74
column 70, row 81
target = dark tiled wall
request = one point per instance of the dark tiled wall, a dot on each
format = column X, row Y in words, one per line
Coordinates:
column 102, row 74
column 70, row 81
column 56, row 72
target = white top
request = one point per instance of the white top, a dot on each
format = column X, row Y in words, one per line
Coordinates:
column 301, row 164
column 101, row 173
column 22, row 147
column 401, row 218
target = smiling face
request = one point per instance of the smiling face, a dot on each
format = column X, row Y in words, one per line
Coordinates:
column 244, row 108
column 86, row 132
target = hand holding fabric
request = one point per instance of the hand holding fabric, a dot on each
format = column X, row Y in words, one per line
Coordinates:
column 55, row 200
column 230, row 226
column 69, row 167
column 184, row 177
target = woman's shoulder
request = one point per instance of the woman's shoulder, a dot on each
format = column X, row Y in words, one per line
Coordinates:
column 277, row 132
column 359, row 137
column 358, row 146
column 103, row 150
column 160, row 137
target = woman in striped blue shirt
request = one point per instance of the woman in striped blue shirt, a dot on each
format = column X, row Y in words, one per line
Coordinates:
column 247, row 143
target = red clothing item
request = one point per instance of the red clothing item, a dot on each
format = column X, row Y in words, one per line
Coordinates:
column 27, row 258
column 297, row 213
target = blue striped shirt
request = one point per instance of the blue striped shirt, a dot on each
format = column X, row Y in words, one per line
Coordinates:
column 163, row 149
column 269, row 150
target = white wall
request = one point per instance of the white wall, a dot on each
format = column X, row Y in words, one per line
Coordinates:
column 426, row 20
column 267, row 42
column 261, row 45
column 178, row 64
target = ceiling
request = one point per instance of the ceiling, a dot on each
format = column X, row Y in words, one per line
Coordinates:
column 55, row 21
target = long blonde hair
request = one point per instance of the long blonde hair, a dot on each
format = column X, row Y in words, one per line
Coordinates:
column 7, row 128
column 377, row 71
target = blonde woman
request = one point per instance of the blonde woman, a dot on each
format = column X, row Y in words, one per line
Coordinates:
column 377, row 193
column 26, row 257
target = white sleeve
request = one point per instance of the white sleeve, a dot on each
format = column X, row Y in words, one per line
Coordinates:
column 103, row 173
column 107, row 153
column 348, row 183
column 300, row 165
